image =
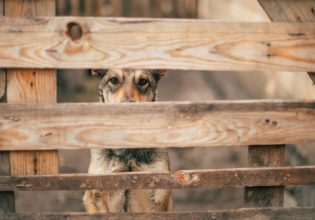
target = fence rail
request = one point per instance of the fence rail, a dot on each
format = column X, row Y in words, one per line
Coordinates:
column 241, row 177
column 247, row 213
column 148, row 125
column 74, row 42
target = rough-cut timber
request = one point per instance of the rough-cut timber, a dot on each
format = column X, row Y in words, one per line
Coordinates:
column 252, row 214
column 155, row 43
column 7, row 200
column 31, row 86
column 290, row 11
column 265, row 156
column 239, row 177
column 146, row 125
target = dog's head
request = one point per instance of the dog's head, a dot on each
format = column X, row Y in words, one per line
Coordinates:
column 126, row 85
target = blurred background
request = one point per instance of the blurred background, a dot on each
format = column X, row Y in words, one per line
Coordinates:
column 79, row 86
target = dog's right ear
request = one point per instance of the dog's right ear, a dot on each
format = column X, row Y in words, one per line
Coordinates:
column 99, row 73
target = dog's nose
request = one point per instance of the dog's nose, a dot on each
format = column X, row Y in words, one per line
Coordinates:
column 128, row 101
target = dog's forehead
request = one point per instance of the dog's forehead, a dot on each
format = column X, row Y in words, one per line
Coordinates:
column 131, row 72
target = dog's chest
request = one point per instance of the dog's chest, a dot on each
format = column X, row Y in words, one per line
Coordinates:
column 128, row 156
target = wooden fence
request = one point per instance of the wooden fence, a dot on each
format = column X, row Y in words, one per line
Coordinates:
column 33, row 127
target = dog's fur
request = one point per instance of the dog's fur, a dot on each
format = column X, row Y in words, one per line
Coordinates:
column 123, row 85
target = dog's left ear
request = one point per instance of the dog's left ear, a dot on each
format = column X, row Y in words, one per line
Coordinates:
column 99, row 73
column 157, row 74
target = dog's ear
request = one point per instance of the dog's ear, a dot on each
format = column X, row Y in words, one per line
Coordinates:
column 99, row 73
column 157, row 74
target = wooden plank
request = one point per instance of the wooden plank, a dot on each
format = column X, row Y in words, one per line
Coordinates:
column 31, row 86
column 183, row 179
column 156, row 43
column 292, row 11
column 253, row 214
column 154, row 125
column 265, row 156
column 289, row 10
column 7, row 199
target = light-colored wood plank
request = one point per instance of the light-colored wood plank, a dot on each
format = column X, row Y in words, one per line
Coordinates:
column 147, row 125
column 253, row 214
column 265, row 156
column 147, row 43
column 292, row 11
column 31, row 86
column 182, row 179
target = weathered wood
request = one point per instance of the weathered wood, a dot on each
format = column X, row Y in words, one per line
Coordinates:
column 283, row 11
column 265, row 156
column 156, row 43
column 239, row 177
column 147, row 125
column 31, row 86
column 292, row 11
column 289, row 10
column 253, row 214
column 7, row 200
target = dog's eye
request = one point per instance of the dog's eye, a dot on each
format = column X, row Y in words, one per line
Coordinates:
column 142, row 82
column 114, row 80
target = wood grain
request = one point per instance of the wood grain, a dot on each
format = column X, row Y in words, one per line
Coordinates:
column 226, row 178
column 31, row 86
column 7, row 199
column 147, row 125
column 265, row 156
column 292, row 11
column 253, row 214
column 156, row 43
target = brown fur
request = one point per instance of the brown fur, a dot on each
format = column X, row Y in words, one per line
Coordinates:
column 127, row 87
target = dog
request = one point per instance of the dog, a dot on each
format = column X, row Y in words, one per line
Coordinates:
column 126, row 85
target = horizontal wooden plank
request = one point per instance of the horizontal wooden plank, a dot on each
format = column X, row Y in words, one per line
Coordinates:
column 307, row 213
column 239, row 177
column 154, row 125
column 74, row 42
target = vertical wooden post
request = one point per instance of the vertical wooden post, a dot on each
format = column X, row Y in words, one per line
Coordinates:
column 7, row 201
column 31, row 86
column 262, row 156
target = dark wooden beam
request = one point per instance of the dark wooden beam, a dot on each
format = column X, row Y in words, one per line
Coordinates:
column 180, row 179
column 265, row 196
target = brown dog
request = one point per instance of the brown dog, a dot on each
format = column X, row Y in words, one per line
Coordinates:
column 123, row 85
